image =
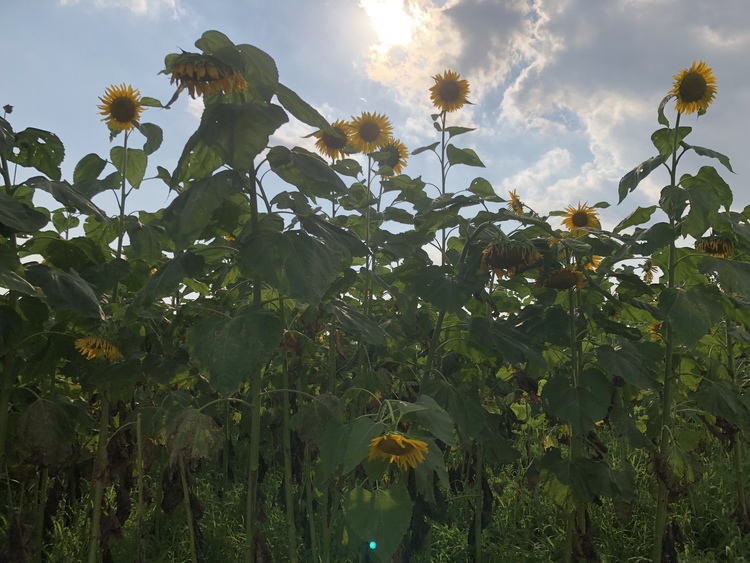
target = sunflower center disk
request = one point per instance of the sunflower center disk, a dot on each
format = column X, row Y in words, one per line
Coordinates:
column 693, row 87
column 369, row 132
column 449, row 92
column 333, row 142
column 580, row 219
column 392, row 447
column 123, row 109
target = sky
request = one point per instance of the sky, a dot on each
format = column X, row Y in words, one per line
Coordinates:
column 564, row 92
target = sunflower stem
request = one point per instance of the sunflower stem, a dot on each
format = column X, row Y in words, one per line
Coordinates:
column 287, row 445
column 100, row 469
column 40, row 505
column 478, row 506
column 188, row 511
column 737, row 442
column 662, row 499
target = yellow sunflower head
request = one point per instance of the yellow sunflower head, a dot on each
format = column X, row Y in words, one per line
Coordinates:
column 649, row 269
column 654, row 330
column 370, row 131
column 565, row 278
column 506, row 258
column 695, row 88
column 582, row 217
column 331, row 145
column 716, row 246
column 592, row 262
column 515, row 204
column 396, row 156
column 449, row 91
column 121, row 107
column 93, row 347
column 203, row 75
column 398, row 449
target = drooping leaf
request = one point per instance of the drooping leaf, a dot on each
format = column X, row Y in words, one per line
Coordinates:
column 701, row 151
column 579, row 405
column 483, row 188
column 34, row 148
column 350, row 319
column 308, row 172
column 88, row 168
column 381, row 516
column 361, row 433
column 65, row 291
column 45, row 435
column 300, row 109
column 627, row 362
column 233, row 349
column 193, row 436
column 441, row 287
column 693, row 312
column 19, row 216
column 169, row 276
column 462, row 156
column 310, row 421
column 68, row 195
column 630, row 181
column 132, row 164
column 639, row 216
column 154, row 137
column 454, row 131
column 664, row 139
column 734, row 276
column 500, row 340
column 435, row 419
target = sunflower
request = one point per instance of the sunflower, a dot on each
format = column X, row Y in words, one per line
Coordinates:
column 694, row 88
column 370, row 131
column 507, row 258
column 581, row 217
column 121, row 107
column 565, row 278
column 592, row 262
column 649, row 269
column 397, row 154
column 654, row 330
column 449, row 92
column 398, row 449
column 331, row 145
column 203, row 75
column 95, row 347
column 716, row 246
column 515, row 204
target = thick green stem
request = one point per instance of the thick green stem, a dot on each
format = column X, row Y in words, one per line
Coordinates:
column 434, row 343
column 309, row 507
column 478, row 506
column 737, row 444
column 326, row 528
column 662, row 498
column 332, row 358
column 188, row 512
column 287, row 439
column 98, row 486
column 140, row 507
column 39, row 524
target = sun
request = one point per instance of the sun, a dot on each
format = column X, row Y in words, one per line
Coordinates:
column 391, row 22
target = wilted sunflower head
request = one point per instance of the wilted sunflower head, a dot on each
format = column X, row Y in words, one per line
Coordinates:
column 398, row 449
column 565, row 278
column 93, row 347
column 582, row 217
column 654, row 330
column 203, row 75
column 716, row 246
column 449, row 91
column 121, row 107
column 331, row 145
column 649, row 269
column 694, row 88
column 370, row 131
column 514, row 203
column 396, row 157
column 506, row 258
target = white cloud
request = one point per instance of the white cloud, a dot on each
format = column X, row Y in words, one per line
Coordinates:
column 138, row 7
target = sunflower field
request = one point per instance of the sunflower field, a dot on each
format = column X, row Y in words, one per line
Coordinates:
column 318, row 357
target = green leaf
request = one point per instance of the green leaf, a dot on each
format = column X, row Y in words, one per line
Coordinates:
column 68, row 195
column 462, row 156
column 627, row 362
column 302, row 110
column 238, row 132
column 306, row 171
column 701, row 151
column 455, row 131
column 435, row 420
column 441, row 287
column 708, row 178
column 381, row 516
column 310, row 421
column 734, row 276
column 673, row 200
column 430, row 147
column 154, row 137
column 361, row 433
column 34, row 148
column 348, row 167
column 46, row 436
column 352, row 320
column 260, row 72
column 149, row 102
column 20, row 217
column 661, row 117
column 7, row 137
column 580, row 405
column 65, row 291
column 169, row 276
column 722, row 398
column 484, row 189
column 498, row 339
column 630, row 181
column 234, row 349
column 191, row 212
column 88, row 168
column 693, row 312
column 193, row 436
column 197, row 161
column 639, row 216
column 136, row 164
column 664, row 139
column 146, row 242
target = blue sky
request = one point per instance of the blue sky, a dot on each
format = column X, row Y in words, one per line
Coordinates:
column 565, row 91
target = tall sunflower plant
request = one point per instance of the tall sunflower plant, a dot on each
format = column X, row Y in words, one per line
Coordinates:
column 693, row 286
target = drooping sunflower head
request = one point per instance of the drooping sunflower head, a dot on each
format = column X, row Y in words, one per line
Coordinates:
column 582, row 217
column 121, row 107
column 370, row 131
column 695, row 88
column 565, row 278
column 592, row 262
column 654, row 330
column 398, row 449
column 396, row 156
column 716, row 245
column 649, row 269
column 506, row 258
column 93, row 347
column 449, row 92
column 331, row 145
column 203, row 74
column 514, row 203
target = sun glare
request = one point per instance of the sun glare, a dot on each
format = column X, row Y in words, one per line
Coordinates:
column 392, row 23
